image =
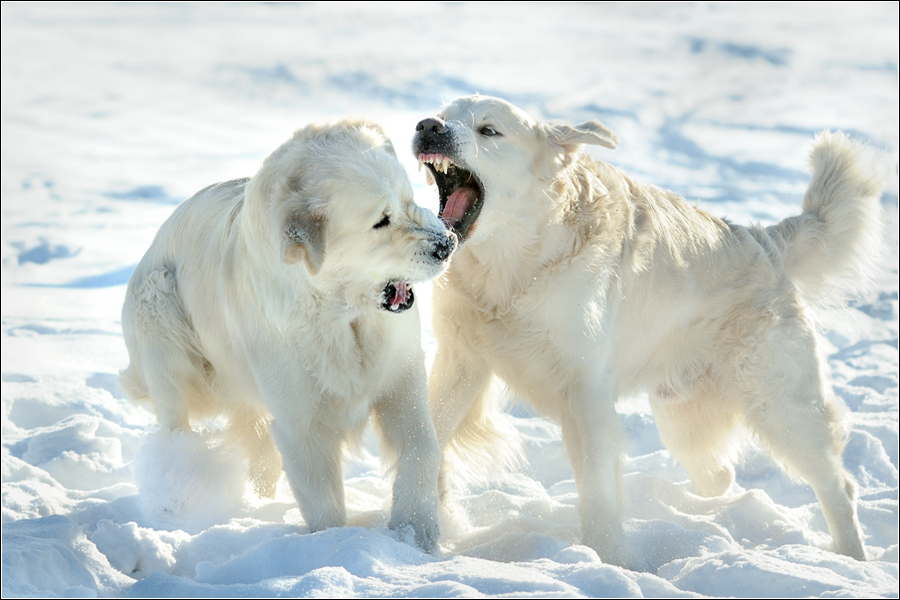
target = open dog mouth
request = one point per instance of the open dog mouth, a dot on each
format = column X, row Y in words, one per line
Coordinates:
column 397, row 296
column 461, row 194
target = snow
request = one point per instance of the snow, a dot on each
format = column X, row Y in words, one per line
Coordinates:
column 114, row 113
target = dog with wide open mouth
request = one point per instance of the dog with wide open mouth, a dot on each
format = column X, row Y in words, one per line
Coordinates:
column 578, row 285
column 449, row 148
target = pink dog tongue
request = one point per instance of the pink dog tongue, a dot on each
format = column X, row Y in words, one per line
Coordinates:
column 401, row 297
column 457, row 204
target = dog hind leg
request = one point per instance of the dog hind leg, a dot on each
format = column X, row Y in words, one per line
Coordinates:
column 167, row 366
column 802, row 436
column 251, row 432
column 792, row 411
column 702, row 432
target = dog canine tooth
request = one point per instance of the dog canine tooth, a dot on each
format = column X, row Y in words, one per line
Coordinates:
column 438, row 161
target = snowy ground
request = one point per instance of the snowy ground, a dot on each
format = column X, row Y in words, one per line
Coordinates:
column 114, row 113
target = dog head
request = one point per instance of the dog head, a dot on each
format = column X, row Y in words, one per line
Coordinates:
column 336, row 202
column 487, row 156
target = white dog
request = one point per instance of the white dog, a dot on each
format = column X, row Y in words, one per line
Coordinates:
column 578, row 285
column 285, row 297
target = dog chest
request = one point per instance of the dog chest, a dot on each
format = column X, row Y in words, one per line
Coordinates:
column 541, row 349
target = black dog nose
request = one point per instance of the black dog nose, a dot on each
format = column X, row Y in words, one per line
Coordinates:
column 445, row 247
column 432, row 124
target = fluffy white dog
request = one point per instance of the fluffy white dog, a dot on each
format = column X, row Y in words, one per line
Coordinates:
column 285, row 297
column 577, row 285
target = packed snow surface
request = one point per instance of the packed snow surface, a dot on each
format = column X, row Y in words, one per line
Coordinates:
column 112, row 114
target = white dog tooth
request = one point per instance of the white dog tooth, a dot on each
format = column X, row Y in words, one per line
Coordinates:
column 429, row 178
column 421, row 162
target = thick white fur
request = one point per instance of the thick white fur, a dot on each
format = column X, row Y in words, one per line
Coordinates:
column 259, row 300
column 578, row 285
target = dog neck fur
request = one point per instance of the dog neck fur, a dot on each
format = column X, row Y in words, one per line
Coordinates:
column 496, row 266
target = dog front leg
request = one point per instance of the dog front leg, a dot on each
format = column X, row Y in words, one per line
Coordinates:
column 404, row 420
column 308, row 433
column 592, row 436
column 311, row 457
column 310, row 444
column 457, row 391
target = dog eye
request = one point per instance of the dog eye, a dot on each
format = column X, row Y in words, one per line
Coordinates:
column 488, row 131
column 384, row 222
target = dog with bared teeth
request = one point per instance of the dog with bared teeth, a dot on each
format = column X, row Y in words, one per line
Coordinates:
column 578, row 285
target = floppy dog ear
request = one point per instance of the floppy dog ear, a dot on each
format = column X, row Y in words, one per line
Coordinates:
column 304, row 239
column 592, row 132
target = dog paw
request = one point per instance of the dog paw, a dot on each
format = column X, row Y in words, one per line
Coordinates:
column 611, row 547
column 425, row 531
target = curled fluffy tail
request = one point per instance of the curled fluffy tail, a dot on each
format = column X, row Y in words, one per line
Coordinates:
column 835, row 242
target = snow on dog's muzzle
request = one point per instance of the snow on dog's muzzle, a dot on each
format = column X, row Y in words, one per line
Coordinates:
column 444, row 245
column 397, row 296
